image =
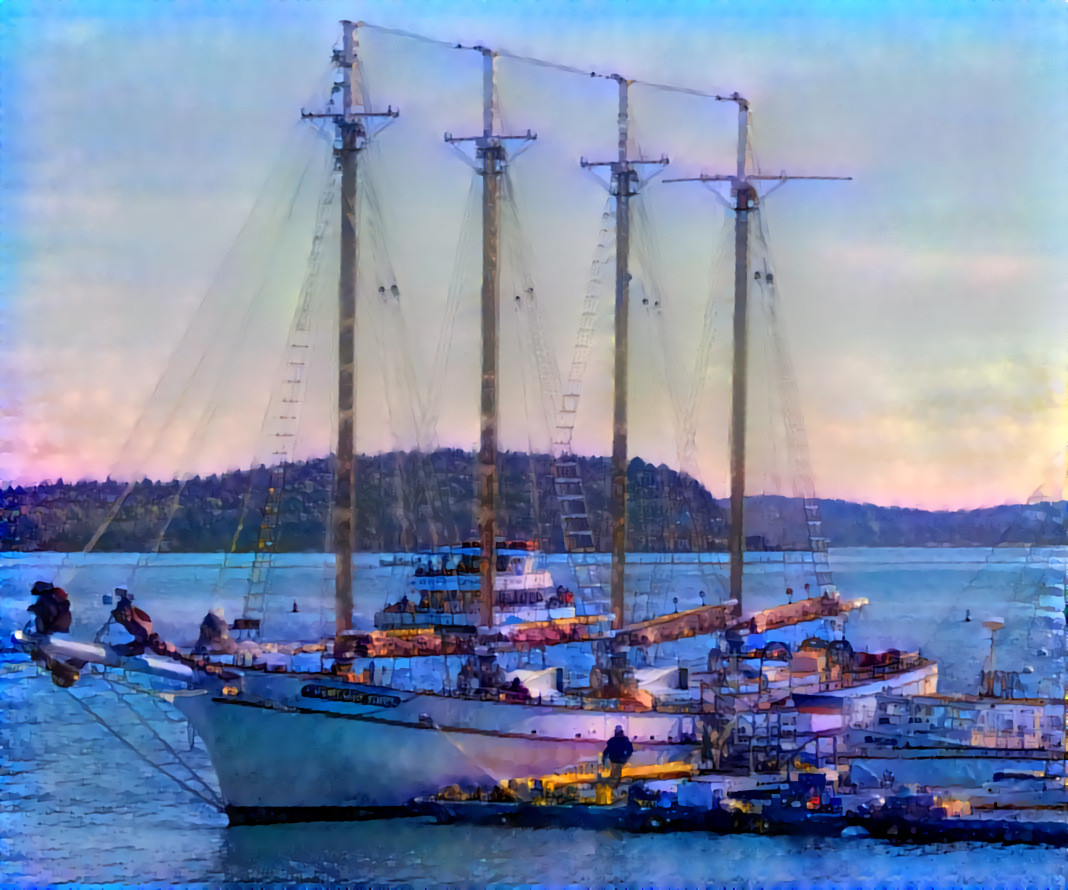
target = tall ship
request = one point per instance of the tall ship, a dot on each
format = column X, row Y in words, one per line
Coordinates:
column 342, row 736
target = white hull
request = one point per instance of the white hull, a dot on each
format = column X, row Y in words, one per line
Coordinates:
column 921, row 680
column 309, row 746
column 326, row 754
column 329, row 755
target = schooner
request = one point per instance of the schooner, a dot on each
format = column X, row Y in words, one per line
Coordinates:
column 320, row 744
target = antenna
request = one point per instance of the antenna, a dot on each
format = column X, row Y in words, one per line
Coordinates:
column 746, row 200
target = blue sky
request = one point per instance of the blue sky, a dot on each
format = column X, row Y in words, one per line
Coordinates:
column 924, row 299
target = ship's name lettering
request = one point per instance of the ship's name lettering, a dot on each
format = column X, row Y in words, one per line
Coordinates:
column 332, row 693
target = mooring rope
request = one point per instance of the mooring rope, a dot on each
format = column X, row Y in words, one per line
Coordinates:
column 212, row 801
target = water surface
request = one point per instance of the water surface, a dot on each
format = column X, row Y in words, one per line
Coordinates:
column 78, row 805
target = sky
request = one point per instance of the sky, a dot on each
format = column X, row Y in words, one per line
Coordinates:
column 159, row 194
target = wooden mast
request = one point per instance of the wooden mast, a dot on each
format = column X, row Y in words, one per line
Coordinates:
column 745, row 202
column 352, row 135
column 489, row 150
column 491, row 153
column 623, row 182
column 350, row 129
column 624, row 186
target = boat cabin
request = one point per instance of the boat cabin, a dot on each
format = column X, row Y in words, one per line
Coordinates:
column 445, row 589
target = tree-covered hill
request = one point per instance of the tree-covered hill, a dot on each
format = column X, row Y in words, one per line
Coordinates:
column 410, row 501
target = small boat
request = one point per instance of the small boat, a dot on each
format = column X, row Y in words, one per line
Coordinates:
column 445, row 587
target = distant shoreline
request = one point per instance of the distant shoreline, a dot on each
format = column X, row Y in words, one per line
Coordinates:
column 406, row 502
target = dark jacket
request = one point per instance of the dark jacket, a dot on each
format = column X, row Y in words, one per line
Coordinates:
column 618, row 749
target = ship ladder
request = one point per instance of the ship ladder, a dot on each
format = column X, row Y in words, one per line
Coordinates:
column 590, row 579
column 255, row 604
column 818, row 544
column 796, row 437
column 282, row 423
column 575, row 519
column 579, row 536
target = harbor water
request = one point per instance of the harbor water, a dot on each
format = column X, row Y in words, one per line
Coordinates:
column 78, row 805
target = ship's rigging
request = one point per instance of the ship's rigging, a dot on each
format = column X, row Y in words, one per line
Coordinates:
column 272, row 706
column 412, row 397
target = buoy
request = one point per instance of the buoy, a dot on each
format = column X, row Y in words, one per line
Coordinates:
column 967, row 614
column 295, row 609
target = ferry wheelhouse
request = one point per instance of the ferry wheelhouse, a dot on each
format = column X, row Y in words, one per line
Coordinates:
column 445, row 589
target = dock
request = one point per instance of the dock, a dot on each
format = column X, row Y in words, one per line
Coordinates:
column 637, row 819
column 647, row 799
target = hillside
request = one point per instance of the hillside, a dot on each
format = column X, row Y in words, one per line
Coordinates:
column 410, row 501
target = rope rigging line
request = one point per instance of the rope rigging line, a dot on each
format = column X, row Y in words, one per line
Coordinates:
column 279, row 430
column 264, row 217
column 663, row 356
column 461, row 284
column 530, row 351
column 797, row 438
column 543, row 63
column 524, row 348
column 383, row 336
column 529, row 314
column 211, row 801
column 158, row 707
column 427, row 482
column 402, row 379
column 762, row 320
column 601, row 265
column 682, row 403
column 247, row 243
column 718, row 293
column 284, row 212
column 212, row 405
column 383, row 313
column 405, row 373
column 650, row 260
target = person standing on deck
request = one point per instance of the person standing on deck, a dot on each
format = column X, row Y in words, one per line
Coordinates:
column 215, row 634
column 468, row 677
column 616, row 753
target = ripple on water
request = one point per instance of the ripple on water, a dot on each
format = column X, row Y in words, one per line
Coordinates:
column 77, row 806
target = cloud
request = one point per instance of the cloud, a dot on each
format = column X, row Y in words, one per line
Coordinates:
column 922, row 299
